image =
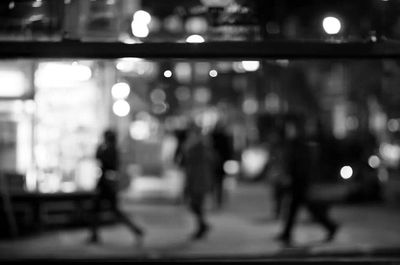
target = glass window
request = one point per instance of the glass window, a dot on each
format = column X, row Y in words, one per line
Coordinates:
column 270, row 73
column 348, row 107
column 196, row 21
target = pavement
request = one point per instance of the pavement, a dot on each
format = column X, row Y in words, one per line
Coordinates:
column 243, row 229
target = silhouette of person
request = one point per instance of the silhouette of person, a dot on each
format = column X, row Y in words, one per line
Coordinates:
column 180, row 135
column 276, row 173
column 298, row 166
column 107, row 187
column 222, row 146
column 198, row 163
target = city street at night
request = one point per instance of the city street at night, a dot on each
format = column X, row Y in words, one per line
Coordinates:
column 200, row 130
column 243, row 229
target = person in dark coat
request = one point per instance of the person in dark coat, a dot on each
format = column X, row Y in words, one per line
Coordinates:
column 180, row 135
column 299, row 160
column 222, row 145
column 198, row 163
column 277, row 176
column 107, row 187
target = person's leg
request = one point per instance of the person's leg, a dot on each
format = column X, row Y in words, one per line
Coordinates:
column 278, row 199
column 197, row 208
column 138, row 231
column 319, row 213
column 290, row 219
column 95, row 215
column 219, row 190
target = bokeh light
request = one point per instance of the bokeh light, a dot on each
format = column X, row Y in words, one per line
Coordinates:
column 213, row 73
column 346, row 172
column 374, row 161
column 231, row 167
column 142, row 17
column 251, row 66
column 168, row 73
column 120, row 90
column 331, row 25
column 121, row 108
column 195, row 39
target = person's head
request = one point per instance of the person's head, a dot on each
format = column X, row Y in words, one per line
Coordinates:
column 295, row 127
column 194, row 128
column 110, row 136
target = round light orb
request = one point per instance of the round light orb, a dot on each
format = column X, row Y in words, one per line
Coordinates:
column 139, row 130
column 173, row 23
column 139, row 30
column 121, row 108
column 331, row 25
column 142, row 17
column 158, row 95
column 196, row 25
column 250, row 106
column 346, row 172
column 213, row 73
column 202, row 95
column 374, row 161
column 393, row 125
column 167, row 73
column 160, row 108
column 120, row 90
column 232, row 167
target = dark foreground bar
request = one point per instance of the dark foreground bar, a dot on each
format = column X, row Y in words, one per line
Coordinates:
column 332, row 261
column 263, row 49
column 290, row 256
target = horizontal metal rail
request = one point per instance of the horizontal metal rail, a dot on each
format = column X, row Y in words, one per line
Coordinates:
column 207, row 50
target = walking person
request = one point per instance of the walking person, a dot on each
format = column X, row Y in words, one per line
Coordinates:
column 298, row 164
column 198, row 162
column 277, row 176
column 221, row 142
column 107, row 188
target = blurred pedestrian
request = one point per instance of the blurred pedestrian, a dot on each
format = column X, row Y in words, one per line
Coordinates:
column 107, row 187
column 223, row 150
column 298, row 165
column 181, row 135
column 198, row 162
column 277, row 176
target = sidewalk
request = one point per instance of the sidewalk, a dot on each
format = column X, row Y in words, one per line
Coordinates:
column 242, row 229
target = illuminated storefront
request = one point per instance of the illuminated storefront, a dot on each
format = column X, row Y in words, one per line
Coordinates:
column 16, row 117
column 55, row 115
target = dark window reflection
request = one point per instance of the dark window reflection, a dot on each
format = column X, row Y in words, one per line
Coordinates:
column 175, row 21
